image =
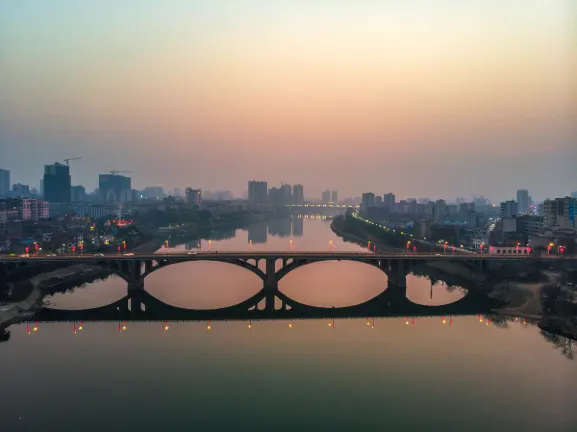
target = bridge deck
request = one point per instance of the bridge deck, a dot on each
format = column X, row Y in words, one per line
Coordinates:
column 233, row 255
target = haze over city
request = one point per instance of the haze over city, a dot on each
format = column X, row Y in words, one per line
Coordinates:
column 426, row 98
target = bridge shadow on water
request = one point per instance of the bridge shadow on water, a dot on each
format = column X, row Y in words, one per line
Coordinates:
column 139, row 305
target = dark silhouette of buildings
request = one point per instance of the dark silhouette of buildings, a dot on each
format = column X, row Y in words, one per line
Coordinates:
column 298, row 194
column 57, row 183
column 78, row 193
column 257, row 192
column 4, row 182
column 113, row 188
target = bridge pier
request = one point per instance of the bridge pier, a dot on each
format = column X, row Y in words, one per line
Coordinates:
column 397, row 274
column 270, row 285
column 136, row 285
column 397, row 283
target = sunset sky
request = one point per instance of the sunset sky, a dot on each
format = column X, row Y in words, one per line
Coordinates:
column 433, row 98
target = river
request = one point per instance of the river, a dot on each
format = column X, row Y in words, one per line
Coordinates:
column 459, row 373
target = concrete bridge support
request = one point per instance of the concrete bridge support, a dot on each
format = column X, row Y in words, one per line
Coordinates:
column 397, row 281
column 270, row 285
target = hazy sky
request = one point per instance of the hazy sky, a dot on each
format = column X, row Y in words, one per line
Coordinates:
column 423, row 98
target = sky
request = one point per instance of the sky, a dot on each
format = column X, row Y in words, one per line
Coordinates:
column 425, row 98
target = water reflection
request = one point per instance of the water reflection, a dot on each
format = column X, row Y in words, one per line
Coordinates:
column 202, row 285
column 147, row 377
column 90, row 295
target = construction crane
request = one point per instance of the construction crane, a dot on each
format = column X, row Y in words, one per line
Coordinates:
column 70, row 159
column 114, row 172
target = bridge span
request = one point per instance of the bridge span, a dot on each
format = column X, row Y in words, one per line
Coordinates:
column 134, row 268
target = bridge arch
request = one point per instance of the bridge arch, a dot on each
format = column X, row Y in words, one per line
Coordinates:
column 162, row 263
column 297, row 263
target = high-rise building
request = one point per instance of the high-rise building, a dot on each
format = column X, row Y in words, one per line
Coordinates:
column 176, row 192
column 560, row 213
column 367, row 200
column 41, row 188
column 57, row 183
column 326, row 197
column 285, row 194
column 274, row 196
column 298, row 194
column 78, row 193
column 334, row 197
column 20, row 190
column 114, row 188
column 378, row 201
column 257, row 192
column 439, row 211
column 4, row 182
column 523, row 200
column 574, row 194
column 508, row 209
column 194, row 196
column 389, row 201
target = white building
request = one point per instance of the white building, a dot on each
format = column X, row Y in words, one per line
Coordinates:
column 509, row 250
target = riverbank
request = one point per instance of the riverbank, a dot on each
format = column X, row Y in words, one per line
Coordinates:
column 341, row 227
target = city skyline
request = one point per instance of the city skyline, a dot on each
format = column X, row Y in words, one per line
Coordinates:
column 420, row 97
column 326, row 195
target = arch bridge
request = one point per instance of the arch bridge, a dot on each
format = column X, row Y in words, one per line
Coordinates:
column 135, row 268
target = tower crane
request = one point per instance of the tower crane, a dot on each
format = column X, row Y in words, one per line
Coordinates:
column 71, row 159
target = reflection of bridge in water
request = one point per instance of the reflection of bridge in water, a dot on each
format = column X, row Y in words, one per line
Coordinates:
column 139, row 305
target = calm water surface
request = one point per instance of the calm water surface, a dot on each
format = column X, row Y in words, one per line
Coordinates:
column 468, row 376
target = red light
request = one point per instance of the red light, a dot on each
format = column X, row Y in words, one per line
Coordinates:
column 375, row 248
column 73, row 248
column 118, row 248
column 414, row 248
column 124, row 245
column 26, row 249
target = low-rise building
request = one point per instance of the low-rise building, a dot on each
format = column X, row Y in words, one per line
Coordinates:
column 509, row 250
